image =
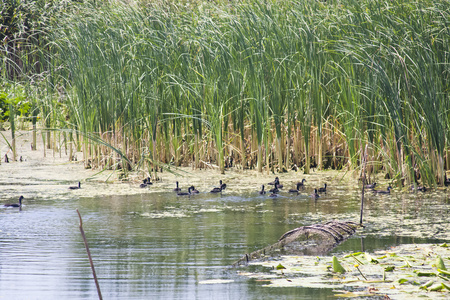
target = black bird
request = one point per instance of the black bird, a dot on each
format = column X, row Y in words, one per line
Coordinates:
column 184, row 193
column 446, row 181
column 15, row 204
column 145, row 182
column 275, row 181
column 419, row 188
column 302, row 183
column 274, row 190
column 278, row 184
column 370, row 186
column 219, row 189
column 193, row 190
column 299, row 184
column 216, row 190
column 383, row 192
column 323, row 190
column 315, row 195
column 177, row 189
column 222, row 185
column 422, row 188
column 6, row 158
column 75, row 187
column 262, row 191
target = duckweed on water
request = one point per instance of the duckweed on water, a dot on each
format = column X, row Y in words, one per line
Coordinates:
column 410, row 270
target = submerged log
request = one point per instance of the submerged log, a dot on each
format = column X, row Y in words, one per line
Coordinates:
column 317, row 239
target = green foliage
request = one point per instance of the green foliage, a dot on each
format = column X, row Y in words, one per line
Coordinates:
column 288, row 78
column 16, row 97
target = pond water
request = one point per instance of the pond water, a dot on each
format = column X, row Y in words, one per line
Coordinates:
column 160, row 245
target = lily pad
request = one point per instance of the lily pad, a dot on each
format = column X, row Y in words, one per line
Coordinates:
column 364, row 280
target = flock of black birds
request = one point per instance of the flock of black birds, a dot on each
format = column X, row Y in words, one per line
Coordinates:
column 193, row 190
column 277, row 186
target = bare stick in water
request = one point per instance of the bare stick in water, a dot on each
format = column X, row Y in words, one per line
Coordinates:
column 89, row 255
column 363, row 184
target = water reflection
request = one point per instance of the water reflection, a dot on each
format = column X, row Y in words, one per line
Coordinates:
column 160, row 245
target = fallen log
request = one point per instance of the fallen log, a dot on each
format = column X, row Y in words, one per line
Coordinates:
column 316, row 239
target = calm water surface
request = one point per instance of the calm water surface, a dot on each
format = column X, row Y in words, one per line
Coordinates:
column 165, row 246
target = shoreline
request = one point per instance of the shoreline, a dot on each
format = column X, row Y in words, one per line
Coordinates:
column 50, row 175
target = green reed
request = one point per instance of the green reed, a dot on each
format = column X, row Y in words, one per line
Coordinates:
column 267, row 84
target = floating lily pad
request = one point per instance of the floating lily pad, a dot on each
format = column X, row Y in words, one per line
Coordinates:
column 367, row 279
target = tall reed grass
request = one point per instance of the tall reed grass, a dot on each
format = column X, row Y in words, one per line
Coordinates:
column 270, row 85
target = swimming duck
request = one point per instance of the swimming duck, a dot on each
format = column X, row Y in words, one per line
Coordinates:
column 75, row 187
column 370, row 186
column 184, row 193
column 383, row 192
column 323, row 190
column 315, row 195
column 193, row 190
column 177, row 189
column 299, row 184
column 15, row 204
column 262, row 191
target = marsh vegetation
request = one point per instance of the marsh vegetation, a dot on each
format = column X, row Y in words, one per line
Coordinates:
column 270, row 85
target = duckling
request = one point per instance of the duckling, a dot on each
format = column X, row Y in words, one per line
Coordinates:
column 370, row 186
column 15, row 204
column 262, row 191
column 323, row 190
column 299, row 184
column 75, row 187
column 193, row 190
column 302, row 183
column 315, row 195
column 278, row 184
column 219, row 189
column 419, row 188
column 446, row 181
column 145, row 182
column 177, row 189
column 222, row 185
column 383, row 192
column 184, row 193
column 274, row 182
column 216, row 190
column 422, row 188
column 274, row 190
